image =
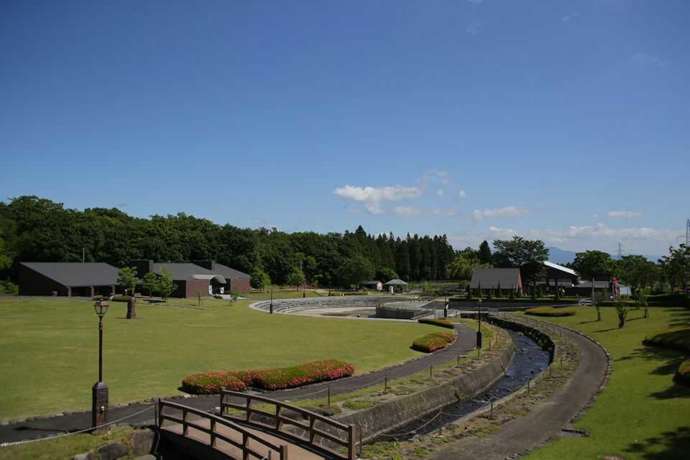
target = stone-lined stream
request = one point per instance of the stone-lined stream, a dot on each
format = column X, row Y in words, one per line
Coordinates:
column 529, row 360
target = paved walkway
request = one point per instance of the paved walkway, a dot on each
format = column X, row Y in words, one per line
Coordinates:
column 546, row 420
column 48, row 426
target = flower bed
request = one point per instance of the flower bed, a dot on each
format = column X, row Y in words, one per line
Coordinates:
column 212, row 382
column 295, row 376
column 267, row 379
column 433, row 342
column 550, row 311
column 437, row 322
column 683, row 373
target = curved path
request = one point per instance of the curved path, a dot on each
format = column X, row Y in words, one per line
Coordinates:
column 547, row 419
column 47, row 426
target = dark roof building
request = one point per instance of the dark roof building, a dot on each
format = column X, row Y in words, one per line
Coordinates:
column 237, row 281
column 66, row 278
column 494, row 278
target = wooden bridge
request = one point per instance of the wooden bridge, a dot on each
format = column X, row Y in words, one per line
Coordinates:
column 253, row 427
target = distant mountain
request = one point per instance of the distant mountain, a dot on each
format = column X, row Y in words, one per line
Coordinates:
column 560, row 256
column 563, row 256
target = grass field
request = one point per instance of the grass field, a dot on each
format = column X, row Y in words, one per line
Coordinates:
column 49, row 348
column 641, row 414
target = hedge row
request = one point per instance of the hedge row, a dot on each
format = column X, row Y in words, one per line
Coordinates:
column 432, row 342
column 550, row 311
column 437, row 322
column 669, row 300
column 678, row 339
column 267, row 379
column 683, row 373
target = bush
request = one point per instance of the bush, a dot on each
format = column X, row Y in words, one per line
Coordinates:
column 212, row 382
column 669, row 300
column 8, row 287
column 437, row 322
column 267, row 379
column 550, row 311
column 304, row 374
column 678, row 339
column 683, row 373
column 432, row 342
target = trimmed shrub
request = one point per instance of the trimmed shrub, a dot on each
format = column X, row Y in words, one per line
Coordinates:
column 267, row 379
column 433, row 342
column 683, row 373
column 437, row 322
column 669, row 300
column 678, row 339
column 550, row 311
column 212, row 382
column 304, row 374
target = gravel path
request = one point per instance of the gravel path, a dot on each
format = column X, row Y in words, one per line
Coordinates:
column 546, row 420
column 48, row 426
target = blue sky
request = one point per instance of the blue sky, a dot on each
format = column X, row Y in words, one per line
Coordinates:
column 560, row 120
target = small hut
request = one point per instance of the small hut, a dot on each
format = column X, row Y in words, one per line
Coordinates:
column 396, row 285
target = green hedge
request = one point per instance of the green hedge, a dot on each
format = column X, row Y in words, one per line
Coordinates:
column 550, row 311
column 267, row 379
column 683, row 373
column 678, row 339
column 120, row 298
column 669, row 300
column 437, row 322
column 432, row 342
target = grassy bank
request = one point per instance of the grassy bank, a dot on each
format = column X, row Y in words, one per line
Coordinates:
column 641, row 414
column 48, row 348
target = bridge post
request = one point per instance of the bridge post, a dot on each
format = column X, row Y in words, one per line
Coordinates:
column 351, row 454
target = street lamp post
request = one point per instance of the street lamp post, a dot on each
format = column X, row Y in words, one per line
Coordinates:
column 99, row 392
column 271, row 304
column 479, row 324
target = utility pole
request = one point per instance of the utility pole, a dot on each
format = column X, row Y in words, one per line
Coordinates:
column 687, row 233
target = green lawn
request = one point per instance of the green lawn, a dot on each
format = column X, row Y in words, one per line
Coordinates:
column 48, row 348
column 641, row 414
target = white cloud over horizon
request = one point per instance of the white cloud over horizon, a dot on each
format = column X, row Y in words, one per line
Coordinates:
column 373, row 197
column 508, row 211
column 624, row 214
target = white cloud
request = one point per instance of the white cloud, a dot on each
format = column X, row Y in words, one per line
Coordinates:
column 462, row 194
column 624, row 214
column 508, row 211
column 440, row 192
column 407, row 211
column 373, row 197
column 473, row 28
column 647, row 60
column 502, row 233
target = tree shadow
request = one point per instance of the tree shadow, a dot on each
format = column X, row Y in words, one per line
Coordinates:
column 670, row 445
column 607, row 330
column 668, row 360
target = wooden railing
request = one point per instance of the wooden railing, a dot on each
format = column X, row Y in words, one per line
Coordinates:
column 296, row 424
column 210, row 425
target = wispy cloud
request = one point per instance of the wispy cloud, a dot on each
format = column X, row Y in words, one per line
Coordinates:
column 647, row 60
column 624, row 214
column 508, row 211
column 462, row 194
column 473, row 28
column 407, row 211
column 569, row 17
column 373, row 197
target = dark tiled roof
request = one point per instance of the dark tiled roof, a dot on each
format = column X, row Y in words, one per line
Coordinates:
column 76, row 274
column 229, row 273
column 490, row 278
column 180, row 271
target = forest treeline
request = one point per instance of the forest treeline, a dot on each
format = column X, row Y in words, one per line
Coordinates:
column 38, row 229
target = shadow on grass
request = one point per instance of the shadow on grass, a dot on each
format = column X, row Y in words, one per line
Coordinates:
column 669, row 445
column 668, row 361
